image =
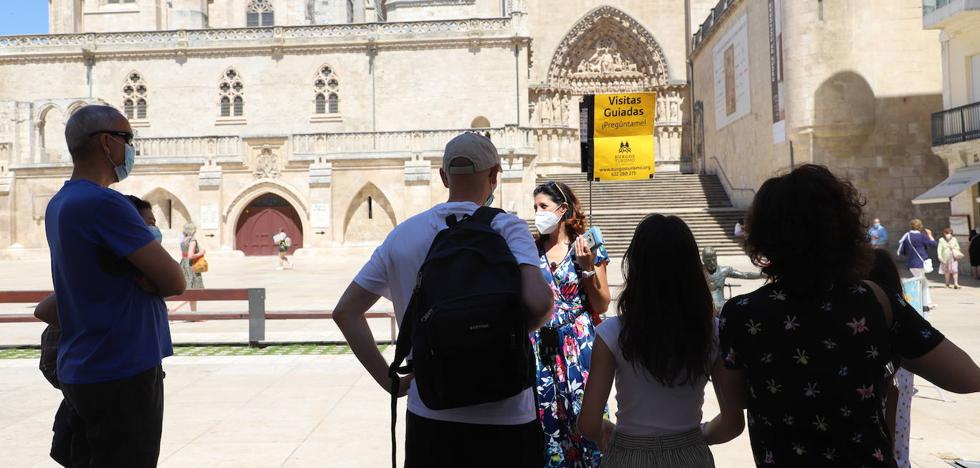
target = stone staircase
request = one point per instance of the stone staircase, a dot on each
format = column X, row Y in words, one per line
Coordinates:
column 617, row 207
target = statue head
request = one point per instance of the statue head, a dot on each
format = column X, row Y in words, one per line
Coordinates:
column 710, row 259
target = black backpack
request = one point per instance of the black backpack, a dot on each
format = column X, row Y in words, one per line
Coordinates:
column 466, row 307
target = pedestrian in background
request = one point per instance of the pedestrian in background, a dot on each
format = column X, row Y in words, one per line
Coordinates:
column 283, row 243
column 190, row 254
column 878, row 235
column 949, row 257
column 914, row 245
column 974, row 251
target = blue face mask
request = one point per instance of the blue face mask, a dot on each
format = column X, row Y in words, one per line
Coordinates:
column 129, row 160
column 156, row 233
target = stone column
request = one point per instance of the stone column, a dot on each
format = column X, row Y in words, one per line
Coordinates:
column 418, row 194
column 213, row 232
column 321, row 201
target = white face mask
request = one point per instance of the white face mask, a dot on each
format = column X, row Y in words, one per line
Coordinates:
column 948, row 236
column 546, row 221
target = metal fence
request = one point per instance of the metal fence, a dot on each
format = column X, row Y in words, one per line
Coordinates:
column 956, row 125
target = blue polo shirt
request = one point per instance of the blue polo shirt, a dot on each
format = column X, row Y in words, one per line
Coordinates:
column 111, row 329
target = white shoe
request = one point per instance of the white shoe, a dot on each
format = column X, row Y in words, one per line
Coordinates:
column 279, row 268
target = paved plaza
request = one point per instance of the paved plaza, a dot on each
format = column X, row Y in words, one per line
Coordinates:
column 323, row 410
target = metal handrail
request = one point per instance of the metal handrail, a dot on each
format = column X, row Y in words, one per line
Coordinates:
column 726, row 181
column 956, row 125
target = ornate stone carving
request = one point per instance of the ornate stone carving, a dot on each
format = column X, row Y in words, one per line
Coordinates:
column 608, row 51
column 266, row 165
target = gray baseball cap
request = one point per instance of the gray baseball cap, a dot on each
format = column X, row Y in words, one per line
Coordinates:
column 476, row 150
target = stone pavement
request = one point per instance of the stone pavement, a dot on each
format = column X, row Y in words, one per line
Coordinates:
column 296, row 411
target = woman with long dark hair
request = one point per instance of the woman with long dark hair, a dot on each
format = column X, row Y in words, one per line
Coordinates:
column 563, row 347
column 660, row 350
column 812, row 346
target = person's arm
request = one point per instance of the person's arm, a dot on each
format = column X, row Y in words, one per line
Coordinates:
column 596, row 287
column 47, row 310
column 537, row 296
column 349, row 317
column 733, row 273
column 161, row 272
column 948, row 367
column 601, row 374
column 192, row 246
column 730, row 390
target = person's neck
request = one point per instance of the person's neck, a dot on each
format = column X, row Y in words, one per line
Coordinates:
column 465, row 197
column 557, row 237
column 100, row 178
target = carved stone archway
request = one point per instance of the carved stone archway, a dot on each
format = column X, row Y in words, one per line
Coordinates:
column 608, row 51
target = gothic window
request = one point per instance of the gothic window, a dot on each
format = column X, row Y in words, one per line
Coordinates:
column 134, row 96
column 225, row 107
column 259, row 13
column 350, row 11
column 321, row 104
column 230, row 91
column 325, row 89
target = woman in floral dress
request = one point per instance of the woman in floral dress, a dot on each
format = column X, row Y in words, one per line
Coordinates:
column 807, row 354
column 563, row 347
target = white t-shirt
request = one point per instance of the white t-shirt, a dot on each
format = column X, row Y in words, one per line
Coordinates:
column 392, row 273
column 647, row 408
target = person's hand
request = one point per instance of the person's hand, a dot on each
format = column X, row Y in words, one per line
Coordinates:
column 607, row 433
column 403, row 383
column 583, row 255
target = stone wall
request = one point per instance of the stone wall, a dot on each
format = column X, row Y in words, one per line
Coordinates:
column 860, row 86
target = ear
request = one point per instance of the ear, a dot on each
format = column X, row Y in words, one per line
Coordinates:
column 444, row 177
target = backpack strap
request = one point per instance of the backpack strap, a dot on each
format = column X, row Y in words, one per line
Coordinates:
column 403, row 346
column 485, row 215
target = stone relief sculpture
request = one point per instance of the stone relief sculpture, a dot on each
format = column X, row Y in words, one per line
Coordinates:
column 266, row 165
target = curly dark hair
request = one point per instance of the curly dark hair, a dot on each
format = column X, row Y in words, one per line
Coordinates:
column 666, row 313
column 575, row 221
column 805, row 230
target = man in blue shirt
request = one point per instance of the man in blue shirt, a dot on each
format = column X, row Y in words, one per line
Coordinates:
column 878, row 235
column 110, row 279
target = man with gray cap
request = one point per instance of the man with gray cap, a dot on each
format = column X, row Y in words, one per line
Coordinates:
column 110, row 278
column 466, row 436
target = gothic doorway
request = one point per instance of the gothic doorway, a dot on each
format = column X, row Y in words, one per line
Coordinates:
column 262, row 219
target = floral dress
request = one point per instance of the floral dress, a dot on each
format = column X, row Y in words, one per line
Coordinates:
column 816, row 372
column 560, row 382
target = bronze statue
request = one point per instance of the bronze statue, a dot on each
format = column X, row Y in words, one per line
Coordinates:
column 717, row 275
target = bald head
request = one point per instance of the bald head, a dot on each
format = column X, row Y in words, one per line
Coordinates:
column 85, row 122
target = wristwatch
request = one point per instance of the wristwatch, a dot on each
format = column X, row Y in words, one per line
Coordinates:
column 588, row 274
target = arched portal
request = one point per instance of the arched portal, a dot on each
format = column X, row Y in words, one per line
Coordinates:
column 168, row 210
column 369, row 216
column 51, row 127
column 262, row 219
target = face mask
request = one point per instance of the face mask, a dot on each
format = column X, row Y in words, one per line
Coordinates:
column 948, row 236
column 546, row 221
column 491, row 198
column 156, row 233
column 877, row 225
column 129, row 160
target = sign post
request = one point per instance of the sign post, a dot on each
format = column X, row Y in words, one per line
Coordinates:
column 622, row 136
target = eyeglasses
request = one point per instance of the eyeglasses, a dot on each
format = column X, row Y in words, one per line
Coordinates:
column 126, row 136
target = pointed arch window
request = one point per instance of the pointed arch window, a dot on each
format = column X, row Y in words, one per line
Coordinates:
column 321, row 103
column 334, row 103
column 134, row 96
column 326, row 89
column 231, row 92
column 259, row 14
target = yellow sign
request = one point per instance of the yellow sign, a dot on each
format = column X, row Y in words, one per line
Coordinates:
column 623, row 136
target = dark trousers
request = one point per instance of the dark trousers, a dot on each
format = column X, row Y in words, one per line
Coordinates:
column 436, row 444
column 116, row 423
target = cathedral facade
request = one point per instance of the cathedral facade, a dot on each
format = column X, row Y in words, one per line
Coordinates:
column 324, row 117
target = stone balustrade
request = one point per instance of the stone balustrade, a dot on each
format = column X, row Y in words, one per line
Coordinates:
column 279, row 35
column 196, row 148
column 516, row 140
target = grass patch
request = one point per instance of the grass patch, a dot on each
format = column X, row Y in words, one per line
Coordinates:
column 303, row 349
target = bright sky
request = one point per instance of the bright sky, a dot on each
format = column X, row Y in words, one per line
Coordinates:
column 23, row 17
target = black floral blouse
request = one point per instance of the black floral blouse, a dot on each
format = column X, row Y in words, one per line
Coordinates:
column 816, row 370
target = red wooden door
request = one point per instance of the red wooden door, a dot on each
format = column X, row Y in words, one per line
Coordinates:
column 262, row 220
